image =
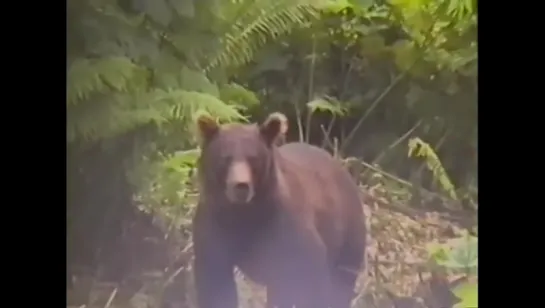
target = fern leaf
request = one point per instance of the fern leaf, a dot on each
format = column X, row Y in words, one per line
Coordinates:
column 112, row 115
column 236, row 94
column 192, row 80
column 86, row 77
column 108, row 116
column 419, row 148
column 184, row 104
column 258, row 22
column 329, row 105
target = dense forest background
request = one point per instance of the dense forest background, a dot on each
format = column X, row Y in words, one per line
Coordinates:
column 387, row 86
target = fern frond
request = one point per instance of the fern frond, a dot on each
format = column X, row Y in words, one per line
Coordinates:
column 258, row 22
column 112, row 115
column 192, row 80
column 419, row 148
column 329, row 105
column 180, row 76
column 107, row 116
column 236, row 94
column 184, row 104
column 88, row 76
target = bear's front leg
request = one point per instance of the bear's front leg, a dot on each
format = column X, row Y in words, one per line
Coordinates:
column 213, row 268
column 302, row 278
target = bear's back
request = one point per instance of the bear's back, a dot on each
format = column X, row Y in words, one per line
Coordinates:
column 320, row 185
column 301, row 157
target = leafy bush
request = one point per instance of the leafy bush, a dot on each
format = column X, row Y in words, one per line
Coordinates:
column 460, row 255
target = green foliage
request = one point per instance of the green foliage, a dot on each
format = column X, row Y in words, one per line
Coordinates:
column 263, row 19
column 418, row 148
column 237, row 95
column 326, row 105
column 468, row 293
column 107, row 116
column 156, row 64
column 460, row 254
column 167, row 187
column 397, row 63
column 89, row 76
column 143, row 71
column 434, row 25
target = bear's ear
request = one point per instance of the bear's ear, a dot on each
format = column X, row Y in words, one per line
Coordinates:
column 208, row 127
column 274, row 127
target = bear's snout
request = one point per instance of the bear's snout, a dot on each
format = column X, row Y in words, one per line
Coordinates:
column 241, row 191
column 239, row 183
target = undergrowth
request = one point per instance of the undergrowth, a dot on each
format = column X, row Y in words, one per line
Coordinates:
column 437, row 269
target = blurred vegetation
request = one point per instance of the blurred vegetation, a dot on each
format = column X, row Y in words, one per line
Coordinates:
column 387, row 86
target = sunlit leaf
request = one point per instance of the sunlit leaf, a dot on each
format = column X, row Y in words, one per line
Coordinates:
column 182, row 158
column 468, row 294
column 464, row 253
column 324, row 105
column 236, row 94
column 336, row 6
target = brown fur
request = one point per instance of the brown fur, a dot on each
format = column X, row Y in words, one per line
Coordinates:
column 289, row 217
column 281, row 139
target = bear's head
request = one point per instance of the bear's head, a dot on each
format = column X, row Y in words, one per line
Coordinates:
column 238, row 160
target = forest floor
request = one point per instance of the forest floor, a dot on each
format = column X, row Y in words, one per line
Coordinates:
column 398, row 272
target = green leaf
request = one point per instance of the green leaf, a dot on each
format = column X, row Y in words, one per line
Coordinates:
column 86, row 77
column 193, row 80
column 324, row 105
column 468, row 294
column 185, row 8
column 336, row 6
column 186, row 103
column 158, row 10
column 256, row 24
column 235, row 94
column 362, row 4
column 464, row 253
column 181, row 159
column 411, row 6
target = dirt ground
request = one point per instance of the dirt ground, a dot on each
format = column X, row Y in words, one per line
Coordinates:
column 397, row 274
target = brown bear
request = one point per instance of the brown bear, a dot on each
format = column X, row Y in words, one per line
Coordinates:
column 289, row 217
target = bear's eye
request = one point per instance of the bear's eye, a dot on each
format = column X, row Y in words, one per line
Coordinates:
column 224, row 162
column 226, row 158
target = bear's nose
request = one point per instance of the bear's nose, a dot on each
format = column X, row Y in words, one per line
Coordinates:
column 241, row 190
